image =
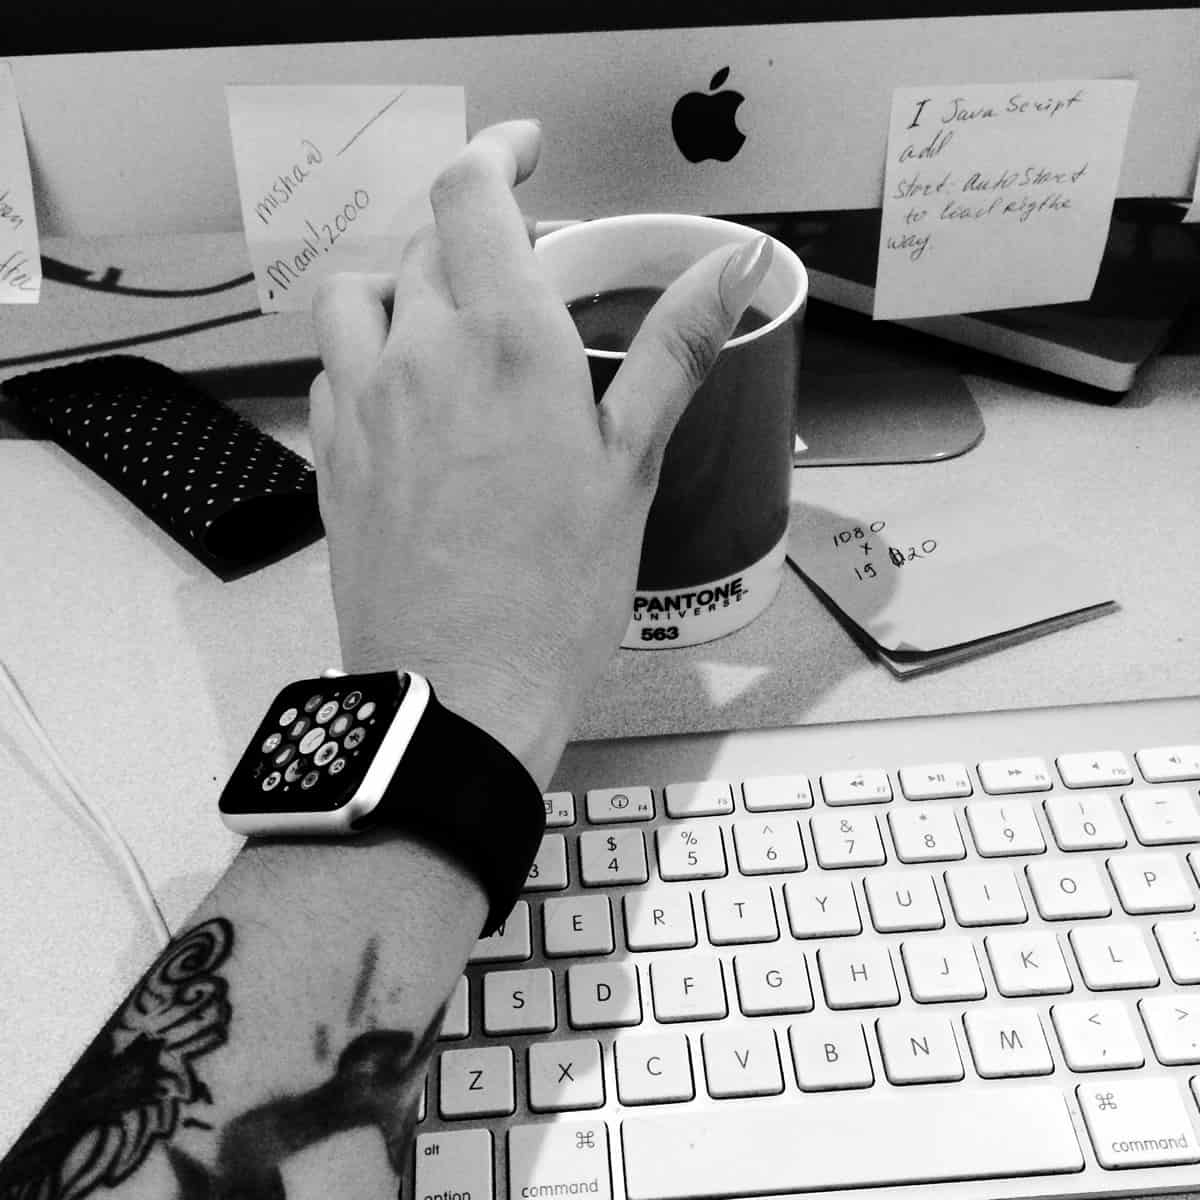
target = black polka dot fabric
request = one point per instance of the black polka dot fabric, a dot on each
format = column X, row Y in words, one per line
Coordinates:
column 224, row 490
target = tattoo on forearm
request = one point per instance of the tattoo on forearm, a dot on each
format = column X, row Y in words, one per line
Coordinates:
column 127, row 1092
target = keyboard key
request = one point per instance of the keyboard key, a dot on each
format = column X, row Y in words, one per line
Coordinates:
column 688, row 987
column 1007, row 1042
column 1006, row 776
column 659, row 921
column 560, row 809
column 565, row 1075
column 562, row 1158
column 1096, row 1035
column 1104, row 768
column 1150, row 883
column 454, row 1163
column 1068, row 890
column 942, row 968
column 1179, row 942
column 1169, row 764
column 612, row 856
column 577, row 925
column 1004, row 827
column 877, row 1140
column 985, row 896
column 903, row 901
column 1085, row 822
column 1163, row 816
column 857, row 975
column 847, row 839
column 741, row 1062
column 830, row 1055
column 603, row 995
column 477, row 1082
column 1113, row 956
column 773, row 793
column 764, row 847
column 926, row 834
column 1173, row 1025
column 1028, row 963
column 510, row 943
column 654, row 1068
column 456, row 1023
column 606, row 805
column 1138, row 1122
column 821, row 906
column 918, row 1048
column 691, row 851
column 548, row 871
column 518, row 1001
column 708, row 798
column 772, row 980
column 870, row 786
column 935, row 781
column 740, row 914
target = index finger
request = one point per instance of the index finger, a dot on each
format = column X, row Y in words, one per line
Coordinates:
column 482, row 235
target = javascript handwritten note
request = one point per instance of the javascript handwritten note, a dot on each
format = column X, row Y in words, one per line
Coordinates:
column 336, row 178
column 20, row 261
column 998, row 195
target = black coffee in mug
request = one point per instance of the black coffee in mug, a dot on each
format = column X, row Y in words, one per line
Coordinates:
column 610, row 320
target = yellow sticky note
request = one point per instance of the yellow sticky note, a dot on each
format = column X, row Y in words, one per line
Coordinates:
column 998, row 195
column 20, row 263
column 336, row 178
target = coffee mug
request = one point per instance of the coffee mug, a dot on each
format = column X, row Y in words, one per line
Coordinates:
column 713, row 553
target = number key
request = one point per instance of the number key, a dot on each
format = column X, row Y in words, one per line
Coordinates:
column 691, row 851
column 615, row 856
column 847, row 839
column 1002, row 827
column 926, row 834
column 1085, row 822
column 766, row 845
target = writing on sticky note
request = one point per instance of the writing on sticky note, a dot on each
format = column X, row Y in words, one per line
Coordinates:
column 336, row 177
column 998, row 195
column 20, row 261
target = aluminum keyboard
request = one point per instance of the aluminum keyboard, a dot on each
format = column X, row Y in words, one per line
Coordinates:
column 953, row 956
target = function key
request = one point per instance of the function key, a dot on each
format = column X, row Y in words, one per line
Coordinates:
column 288, row 716
column 1104, row 768
column 1004, row 776
column 605, row 805
column 707, row 798
column 773, row 793
column 1169, row 764
column 326, row 712
column 560, row 808
column 935, row 781
column 312, row 704
column 272, row 742
column 367, row 711
column 352, row 700
column 870, row 786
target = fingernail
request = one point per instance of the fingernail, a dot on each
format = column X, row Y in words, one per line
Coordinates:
column 743, row 272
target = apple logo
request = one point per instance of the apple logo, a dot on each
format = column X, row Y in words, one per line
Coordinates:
column 705, row 125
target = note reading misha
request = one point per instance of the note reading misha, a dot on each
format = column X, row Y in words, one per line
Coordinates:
column 336, row 178
column 20, row 264
column 998, row 195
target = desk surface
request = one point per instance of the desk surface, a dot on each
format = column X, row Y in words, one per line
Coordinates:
column 147, row 670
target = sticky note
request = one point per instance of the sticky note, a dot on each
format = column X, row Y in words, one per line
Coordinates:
column 20, row 261
column 942, row 573
column 336, row 178
column 998, row 195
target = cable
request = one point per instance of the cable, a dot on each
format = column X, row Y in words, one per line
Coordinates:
column 98, row 818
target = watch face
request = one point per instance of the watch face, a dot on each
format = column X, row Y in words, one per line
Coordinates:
column 315, row 744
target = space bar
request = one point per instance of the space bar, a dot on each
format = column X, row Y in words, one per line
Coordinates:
column 850, row 1141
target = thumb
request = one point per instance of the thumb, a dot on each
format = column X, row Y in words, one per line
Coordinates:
column 676, row 347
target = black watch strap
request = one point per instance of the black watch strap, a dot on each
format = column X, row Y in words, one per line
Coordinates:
column 461, row 789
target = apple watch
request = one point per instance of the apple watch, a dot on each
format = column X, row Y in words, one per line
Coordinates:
column 342, row 754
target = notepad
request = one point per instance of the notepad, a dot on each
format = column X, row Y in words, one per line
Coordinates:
column 944, row 581
column 20, row 264
column 336, row 178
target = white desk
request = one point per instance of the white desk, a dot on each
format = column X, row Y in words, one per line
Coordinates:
column 148, row 671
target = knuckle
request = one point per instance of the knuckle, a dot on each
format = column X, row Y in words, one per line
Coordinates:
column 455, row 179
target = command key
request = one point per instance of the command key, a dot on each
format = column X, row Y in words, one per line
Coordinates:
column 1138, row 1123
column 568, row 1158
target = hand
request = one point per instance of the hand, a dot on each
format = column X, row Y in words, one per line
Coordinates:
column 484, row 515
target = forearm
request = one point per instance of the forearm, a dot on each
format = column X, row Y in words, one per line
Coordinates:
column 286, row 1032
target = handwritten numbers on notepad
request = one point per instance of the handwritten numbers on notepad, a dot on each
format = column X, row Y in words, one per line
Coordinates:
column 858, row 540
column 20, row 264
